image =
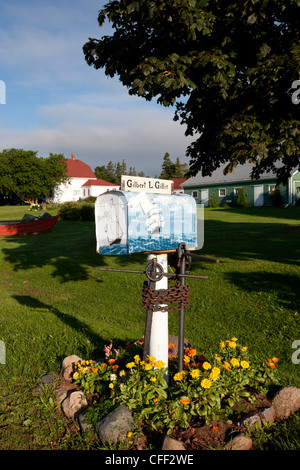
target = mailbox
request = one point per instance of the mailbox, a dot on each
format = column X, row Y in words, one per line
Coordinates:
column 131, row 222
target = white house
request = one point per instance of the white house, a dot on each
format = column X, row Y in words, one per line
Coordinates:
column 82, row 183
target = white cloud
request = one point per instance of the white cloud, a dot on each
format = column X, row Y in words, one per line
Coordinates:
column 96, row 135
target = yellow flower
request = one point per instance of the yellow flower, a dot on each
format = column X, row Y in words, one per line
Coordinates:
column 206, row 365
column 245, row 364
column 137, row 359
column 129, row 434
column 147, row 366
column 244, row 348
column 153, row 379
column 195, row 373
column 122, row 373
column 232, row 344
column 235, row 362
column 76, row 375
column 226, row 365
column 186, row 359
column 205, row 383
column 159, row 364
column 151, row 359
column 130, row 365
column 178, row 376
column 222, row 345
column 215, row 372
column 234, row 339
column 111, row 385
column 218, row 358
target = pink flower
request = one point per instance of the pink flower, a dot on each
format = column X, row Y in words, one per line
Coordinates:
column 107, row 350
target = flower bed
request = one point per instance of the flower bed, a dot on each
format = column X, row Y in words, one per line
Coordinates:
column 208, row 389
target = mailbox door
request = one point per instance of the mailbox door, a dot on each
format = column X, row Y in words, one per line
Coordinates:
column 158, row 222
column 111, row 223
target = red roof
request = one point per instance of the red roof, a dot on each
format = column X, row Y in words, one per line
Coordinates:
column 178, row 182
column 98, row 182
column 78, row 169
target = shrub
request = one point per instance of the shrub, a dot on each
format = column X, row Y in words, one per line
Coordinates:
column 241, row 198
column 213, row 201
column 76, row 211
column 276, row 197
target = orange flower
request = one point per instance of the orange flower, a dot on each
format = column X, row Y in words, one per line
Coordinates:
column 192, row 352
column 155, row 400
column 272, row 365
column 274, row 359
column 111, row 361
column 184, row 402
column 173, row 415
column 95, row 369
column 104, row 365
column 115, row 367
column 215, row 428
column 171, row 346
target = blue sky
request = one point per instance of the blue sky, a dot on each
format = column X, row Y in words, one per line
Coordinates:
column 56, row 103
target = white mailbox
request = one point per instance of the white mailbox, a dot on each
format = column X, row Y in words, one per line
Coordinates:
column 131, row 222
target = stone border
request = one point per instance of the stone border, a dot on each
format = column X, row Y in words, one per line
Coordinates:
column 115, row 426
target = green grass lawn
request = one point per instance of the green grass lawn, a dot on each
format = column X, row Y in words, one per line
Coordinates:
column 54, row 302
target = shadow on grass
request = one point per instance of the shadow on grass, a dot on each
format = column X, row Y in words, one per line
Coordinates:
column 69, row 249
column 284, row 287
column 70, row 320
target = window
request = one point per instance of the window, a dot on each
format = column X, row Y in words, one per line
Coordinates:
column 235, row 191
column 271, row 188
column 195, row 194
column 222, row 192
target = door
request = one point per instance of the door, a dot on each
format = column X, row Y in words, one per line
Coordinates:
column 297, row 190
column 258, row 195
column 204, row 197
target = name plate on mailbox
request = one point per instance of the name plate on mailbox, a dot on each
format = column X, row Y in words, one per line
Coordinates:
column 149, row 185
column 131, row 222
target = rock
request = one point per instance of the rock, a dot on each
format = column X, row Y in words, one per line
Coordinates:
column 268, row 414
column 68, row 367
column 174, row 340
column 67, row 373
column 286, row 401
column 70, row 360
column 74, row 402
column 63, row 390
column 239, row 442
column 251, row 420
column 47, row 379
column 172, row 444
column 116, row 425
column 82, row 423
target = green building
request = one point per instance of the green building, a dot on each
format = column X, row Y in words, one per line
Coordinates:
column 225, row 187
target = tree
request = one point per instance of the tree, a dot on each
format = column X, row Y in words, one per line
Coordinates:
column 168, row 167
column 230, row 63
column 172, row 170
column 28, row 176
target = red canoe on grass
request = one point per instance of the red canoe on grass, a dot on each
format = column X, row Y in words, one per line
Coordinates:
column 28, row 225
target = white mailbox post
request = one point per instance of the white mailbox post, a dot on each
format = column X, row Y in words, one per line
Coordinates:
column 144, row 216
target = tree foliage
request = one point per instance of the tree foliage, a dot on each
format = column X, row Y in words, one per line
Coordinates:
column 172, row 170
column 28, row 176
column 112, row 172
column 226, row 66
